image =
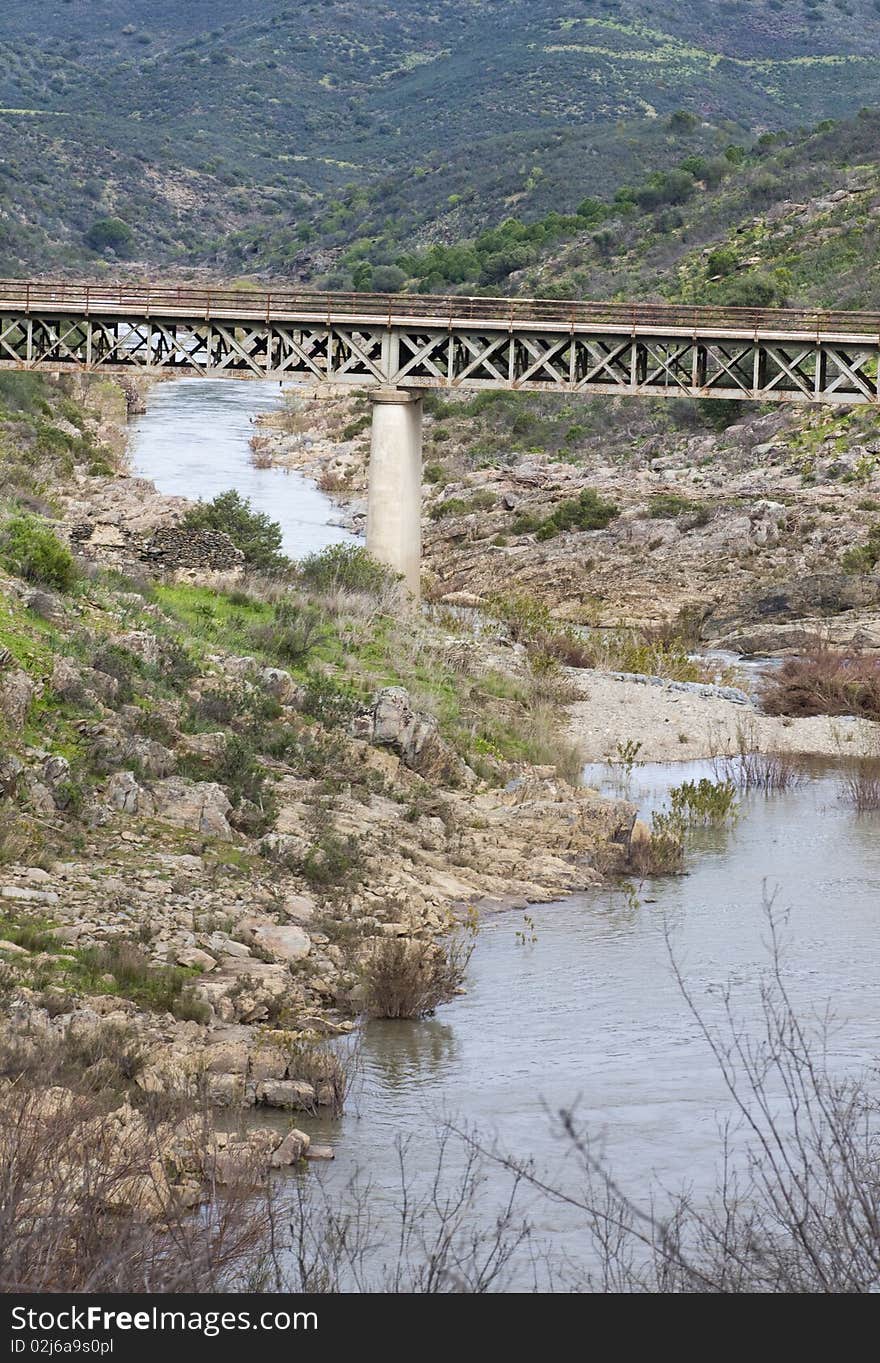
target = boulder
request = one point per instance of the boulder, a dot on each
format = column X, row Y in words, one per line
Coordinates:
column 195, row 959
column 292, row 1149
column 142, row 643
column 283, row 943
column 66, row 679
column 294, row 1094
column 122, row 792
column 299, row 908
column 153, row 758
column 16, row 693
column 281, row 685
column 392, row 722
column 200, row 805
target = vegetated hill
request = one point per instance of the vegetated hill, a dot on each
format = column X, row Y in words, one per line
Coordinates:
column 194, row 122
column 792, row 219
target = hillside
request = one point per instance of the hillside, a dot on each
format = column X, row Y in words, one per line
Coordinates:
column 197, row 124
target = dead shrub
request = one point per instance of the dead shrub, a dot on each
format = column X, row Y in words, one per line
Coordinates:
column 661, row 854
column 86, row 1204
column 860, row 787
column 260, row 456
column 825, row 682
column 327, row 1070
column 406, row 977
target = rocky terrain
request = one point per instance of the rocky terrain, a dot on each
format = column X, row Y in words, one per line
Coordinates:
column 742, row 531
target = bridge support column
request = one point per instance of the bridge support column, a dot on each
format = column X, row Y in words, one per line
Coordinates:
column 394, row 501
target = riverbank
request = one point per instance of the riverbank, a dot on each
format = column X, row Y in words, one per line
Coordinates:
column 667, row 721
column 757, row 536
column 223, row 798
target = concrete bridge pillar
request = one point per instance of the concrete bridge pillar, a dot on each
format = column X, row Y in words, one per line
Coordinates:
column 394, row 502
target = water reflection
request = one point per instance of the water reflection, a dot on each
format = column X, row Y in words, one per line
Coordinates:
column 401, row 1054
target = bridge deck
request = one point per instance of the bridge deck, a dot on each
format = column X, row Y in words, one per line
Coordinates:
column 422, row 341
column 432, row 310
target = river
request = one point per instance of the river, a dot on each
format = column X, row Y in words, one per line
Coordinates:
column 193, row 442
column 585, row 1010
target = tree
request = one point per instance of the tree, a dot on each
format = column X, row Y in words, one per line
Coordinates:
column 110, row 234
column 253, row 532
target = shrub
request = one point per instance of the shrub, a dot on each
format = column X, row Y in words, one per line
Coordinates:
column 345, row 567
column 862, row 558
column 87, row 1207
column 253, row 532
column 159, row 987
column 355, row 428
column 586, row 512
column 525, row 523
column 295, row 632
column 825, row 682
column 333, row 861
column 670, row 505
column 30, row 550
column 663, row 853
column 119, row 664
column 704, row 801
column 861, row 785
column 110, row 234
column 329, row 702
column 408, row 978
column 26, row 393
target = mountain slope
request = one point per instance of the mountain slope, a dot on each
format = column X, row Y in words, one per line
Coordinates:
column 195, row 121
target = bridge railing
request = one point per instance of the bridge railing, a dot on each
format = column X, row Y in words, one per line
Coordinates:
column 142, row 300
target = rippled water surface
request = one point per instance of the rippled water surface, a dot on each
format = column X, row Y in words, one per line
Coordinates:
column 193, row 442
column 591, row 1014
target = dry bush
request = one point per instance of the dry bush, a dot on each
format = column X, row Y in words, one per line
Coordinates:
column 748, row 769
column 825, row 682
column 86, row 1205
column 762, row 771
column 260, row 456
column 405, row 977
column 435, row 1237
column 860, row 787
column 663, row 853
column 327, row 1070
column 330, row 481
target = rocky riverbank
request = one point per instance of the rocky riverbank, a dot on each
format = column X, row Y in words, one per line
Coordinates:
column 202, row 846
column 747, row 531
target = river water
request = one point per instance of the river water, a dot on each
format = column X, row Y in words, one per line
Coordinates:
column 193, row 442
column 586, row 1010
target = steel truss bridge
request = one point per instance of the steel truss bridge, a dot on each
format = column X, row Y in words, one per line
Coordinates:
column 417, row 342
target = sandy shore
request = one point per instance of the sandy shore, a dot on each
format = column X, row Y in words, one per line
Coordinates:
column 677, row 726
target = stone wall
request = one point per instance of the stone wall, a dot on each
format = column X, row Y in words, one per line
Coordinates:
column 168, row 548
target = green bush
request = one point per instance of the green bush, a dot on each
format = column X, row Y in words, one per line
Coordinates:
column 586, row 512
column 333, row 861
column 25, row 393
column 862, row 558
column 30, row 550
column 110, row 234
column 345, row 567
column 295, row 631
column 328, row 702
column 253, row 532
column 670, row 505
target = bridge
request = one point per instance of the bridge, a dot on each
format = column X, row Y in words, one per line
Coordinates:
column 397, row 346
